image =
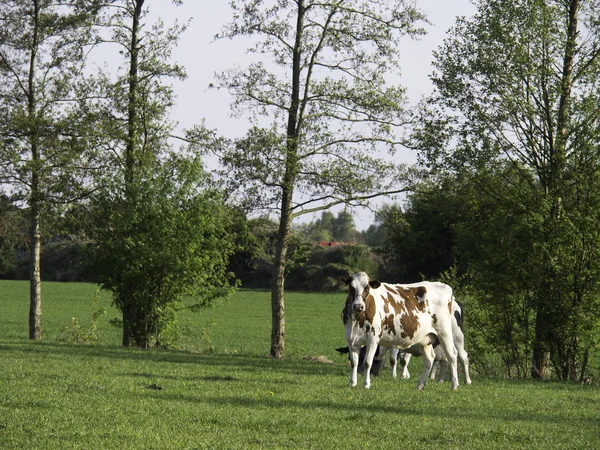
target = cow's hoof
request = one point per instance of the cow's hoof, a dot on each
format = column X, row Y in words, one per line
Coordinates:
column 420, row 387
column 454, row 388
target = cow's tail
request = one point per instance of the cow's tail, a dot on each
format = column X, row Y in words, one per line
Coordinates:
column 459, row 313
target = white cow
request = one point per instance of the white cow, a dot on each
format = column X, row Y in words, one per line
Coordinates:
column 395, row 315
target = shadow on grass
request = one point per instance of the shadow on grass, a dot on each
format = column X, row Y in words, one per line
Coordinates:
column 353, row 411
column 223, row 361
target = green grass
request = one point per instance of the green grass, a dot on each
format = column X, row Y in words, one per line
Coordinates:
column 223, row 391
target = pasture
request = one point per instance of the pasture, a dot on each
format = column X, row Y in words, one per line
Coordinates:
column 221, row 390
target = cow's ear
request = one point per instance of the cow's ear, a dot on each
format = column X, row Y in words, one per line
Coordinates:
column 374, row 284
column 347, row 279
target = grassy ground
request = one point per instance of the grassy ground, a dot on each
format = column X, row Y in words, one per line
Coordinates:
column 223, row 391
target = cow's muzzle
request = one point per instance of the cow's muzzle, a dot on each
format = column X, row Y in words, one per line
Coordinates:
column 358, row 307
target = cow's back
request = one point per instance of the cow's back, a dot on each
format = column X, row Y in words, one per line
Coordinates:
column 408, row 313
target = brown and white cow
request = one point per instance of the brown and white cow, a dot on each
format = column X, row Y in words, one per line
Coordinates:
column 458, row 338
column 396, row 315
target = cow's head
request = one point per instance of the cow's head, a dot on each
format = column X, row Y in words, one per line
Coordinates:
column 359, row 286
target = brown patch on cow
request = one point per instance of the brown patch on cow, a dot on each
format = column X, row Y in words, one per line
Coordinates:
column 410, row 323
column 410, row 306
column 434, row 317
column 388, row 324
column 413, row 293
column 370, row 308
column 360, row 318
column 391, row 289
column 450, row 306
column 399, row 307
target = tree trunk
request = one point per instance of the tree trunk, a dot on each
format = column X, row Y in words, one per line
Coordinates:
column 132, row 116
column 127, row 304
column 35, row 281
column 278, row 288
column 289, row 180
column 584, row 364
column 540, row 367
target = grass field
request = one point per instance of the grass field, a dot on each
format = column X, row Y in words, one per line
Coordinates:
column 223, row 391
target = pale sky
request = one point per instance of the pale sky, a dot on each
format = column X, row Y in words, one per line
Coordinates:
column 202, row 57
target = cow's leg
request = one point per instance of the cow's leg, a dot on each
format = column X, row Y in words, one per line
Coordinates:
column 463, row 357
column 371, row 350
column 404, row 360
column 447, row 345
column 434, row 367
column 353, row 356
column 428, row 357
column 443, row 364
column 394, row 361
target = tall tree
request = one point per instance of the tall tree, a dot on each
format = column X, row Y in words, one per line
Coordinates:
column 42, row 49
column 515, row 84
column 160, row 231
column 321, row 76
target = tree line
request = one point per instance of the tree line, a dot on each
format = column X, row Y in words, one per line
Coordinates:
column 503, row 202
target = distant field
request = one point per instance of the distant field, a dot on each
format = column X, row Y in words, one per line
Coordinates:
column 223, row 391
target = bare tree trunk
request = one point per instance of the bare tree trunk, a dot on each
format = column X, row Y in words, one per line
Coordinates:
column 584, row 364
column 291, row 169
column 35, row 281
column 278, row 288
column 540, row 367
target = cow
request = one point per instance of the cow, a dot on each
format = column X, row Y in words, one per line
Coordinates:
column 401, row 316
column 459, row 344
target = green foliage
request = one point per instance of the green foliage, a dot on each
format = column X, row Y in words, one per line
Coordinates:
column 13, row 228
column 328, row 228
column 168, row 240
column 513, row 88
column 308, row 266
column 325, row 265
column 420, row 241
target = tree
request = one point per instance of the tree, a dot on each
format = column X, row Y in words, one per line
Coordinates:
column 516, row 84
column 166, row 237
column 42, row 49
column 420, row 237
column 324, row 86
column 159, row 230
column 330, row 228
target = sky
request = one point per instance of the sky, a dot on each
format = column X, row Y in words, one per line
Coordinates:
column 202, row 57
